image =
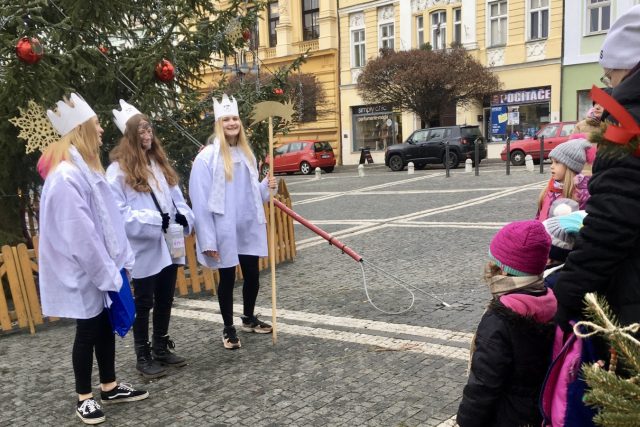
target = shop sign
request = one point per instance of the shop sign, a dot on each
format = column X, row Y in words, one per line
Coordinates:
column 372, row 109
column 499, row 118
column 514, row 116
column 522, row 96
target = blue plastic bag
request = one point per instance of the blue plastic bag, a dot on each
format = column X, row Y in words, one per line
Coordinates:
column 122, row 312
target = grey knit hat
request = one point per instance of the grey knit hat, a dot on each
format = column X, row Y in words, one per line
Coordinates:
column 563, row 231
column 572, row 153
column 621, row 47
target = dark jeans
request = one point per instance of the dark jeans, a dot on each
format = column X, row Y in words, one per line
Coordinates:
column 154, row 292
column 249, row 267
column 94, row 333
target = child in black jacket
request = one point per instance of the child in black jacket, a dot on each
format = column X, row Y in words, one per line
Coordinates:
column 512, row 346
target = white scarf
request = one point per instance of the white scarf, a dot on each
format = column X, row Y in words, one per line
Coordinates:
column 218, row 185
column 93, row 178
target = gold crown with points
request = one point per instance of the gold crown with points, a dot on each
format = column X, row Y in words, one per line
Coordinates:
column 69, row 114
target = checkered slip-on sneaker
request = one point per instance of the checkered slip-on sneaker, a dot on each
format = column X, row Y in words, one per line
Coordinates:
column 90, row 412
column 253, row 324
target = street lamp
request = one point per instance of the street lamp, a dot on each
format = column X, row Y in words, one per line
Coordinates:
column 240, row 66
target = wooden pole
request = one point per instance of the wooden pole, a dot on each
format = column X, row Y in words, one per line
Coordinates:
column 272, row 240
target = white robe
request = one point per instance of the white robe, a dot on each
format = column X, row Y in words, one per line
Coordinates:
column 75, row 268
column 239, row 230
column 143, row 222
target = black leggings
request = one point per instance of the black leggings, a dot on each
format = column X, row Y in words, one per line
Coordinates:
column 94, row 333
column 249, row 267
column 154, row 292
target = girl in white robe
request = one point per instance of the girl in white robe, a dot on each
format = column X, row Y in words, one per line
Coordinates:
column 83, row 248
column 227, row 200
column 146, row 190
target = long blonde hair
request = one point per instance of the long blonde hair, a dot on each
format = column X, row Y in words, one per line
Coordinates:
column 243, row 143
column 133, row 160
column 568, row 188
column 86, row 140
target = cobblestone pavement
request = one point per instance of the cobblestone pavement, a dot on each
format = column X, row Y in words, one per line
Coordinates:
column 338, row 360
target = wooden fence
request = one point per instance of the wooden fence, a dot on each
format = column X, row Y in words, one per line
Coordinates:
column 19, row 297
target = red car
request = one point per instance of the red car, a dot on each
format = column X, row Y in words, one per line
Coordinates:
column 301, row 156
column 554, row 134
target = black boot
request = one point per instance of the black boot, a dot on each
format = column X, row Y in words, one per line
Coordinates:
column 148, row 367
column 161, row 349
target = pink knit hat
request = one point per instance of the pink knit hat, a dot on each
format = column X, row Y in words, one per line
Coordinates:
column 521, row 248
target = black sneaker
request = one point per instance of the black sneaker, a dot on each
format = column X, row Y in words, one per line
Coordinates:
column 230, row 338
column 90, row 412
column 123, row 393
column 253, row 324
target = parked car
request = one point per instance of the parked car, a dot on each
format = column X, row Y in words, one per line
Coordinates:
column 554, row 134
column 426, row 146
column 301, row 156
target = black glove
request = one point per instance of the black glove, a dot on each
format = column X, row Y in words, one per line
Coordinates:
column 181, row 219
column 165, row 221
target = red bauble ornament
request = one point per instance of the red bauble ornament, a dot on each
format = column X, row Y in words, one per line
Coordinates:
column 246, row 35
column 165, row 71
column 29, row 50
column 278, row 91
column 103, row 49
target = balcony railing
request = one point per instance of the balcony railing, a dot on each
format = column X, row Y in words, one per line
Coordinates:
column 310, row 45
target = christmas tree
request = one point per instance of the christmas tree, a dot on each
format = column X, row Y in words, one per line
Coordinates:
column 152, row 53
column 614, row 391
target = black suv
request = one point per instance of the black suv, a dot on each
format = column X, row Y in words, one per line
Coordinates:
column 428, row 146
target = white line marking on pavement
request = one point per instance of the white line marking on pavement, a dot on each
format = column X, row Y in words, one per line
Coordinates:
column 323, row 319
column 400, row 192
column 314, row 241
column 443, row 225
column 373, row 187
column 348, row 337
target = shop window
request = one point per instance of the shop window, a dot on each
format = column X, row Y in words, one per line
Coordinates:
column 598, row 15
column 498, row 23
column 457, row 26
column 376, row 131
column 358, row 58
column 274, row 20
column 439, row 30
column 310, row 18
column 584, row 103
column 386, row 36
column 419, row 31
column 538, row 19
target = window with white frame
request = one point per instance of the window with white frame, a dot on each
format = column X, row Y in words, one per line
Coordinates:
column 598, row 15
column 439, row 30
column 497, row 23
column 457, row 25
column 358, row 48
column 538, row 19
column 419, row 31
column 386, row 36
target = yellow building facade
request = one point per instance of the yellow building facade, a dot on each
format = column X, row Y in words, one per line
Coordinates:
column 286, row 30
column 366, row 26
column 521, row 42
